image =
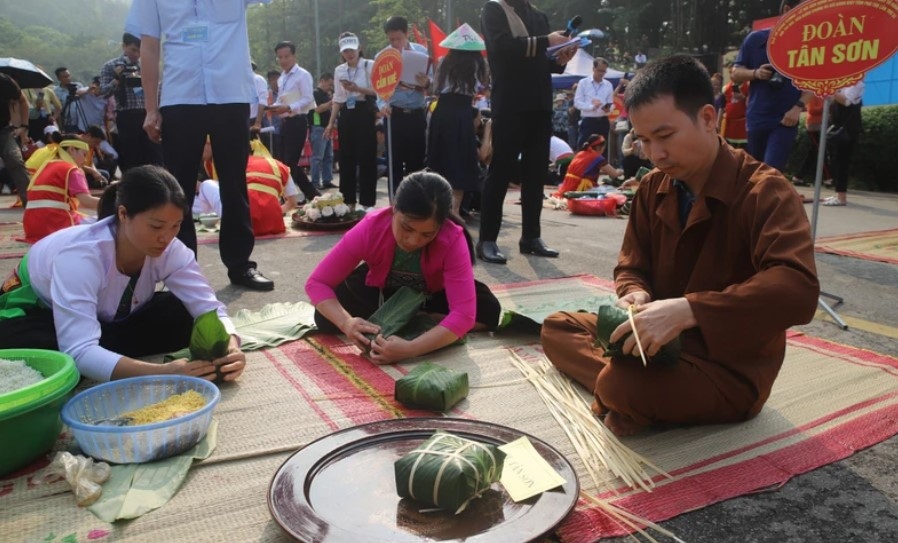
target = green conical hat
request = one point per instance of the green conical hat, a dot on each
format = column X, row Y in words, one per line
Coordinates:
column 464, row 38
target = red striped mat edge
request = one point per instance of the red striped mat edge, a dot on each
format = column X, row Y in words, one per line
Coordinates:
column 587, row 524
column 822, row 247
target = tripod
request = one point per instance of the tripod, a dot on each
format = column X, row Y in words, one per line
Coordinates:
column 818, row 183
column 73, row 117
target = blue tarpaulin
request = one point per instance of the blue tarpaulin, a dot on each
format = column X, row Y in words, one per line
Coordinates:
column 881, row 84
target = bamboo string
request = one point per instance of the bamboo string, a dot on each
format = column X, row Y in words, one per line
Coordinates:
column 593, row 442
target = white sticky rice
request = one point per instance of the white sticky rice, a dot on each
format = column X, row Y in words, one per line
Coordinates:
column 16, row 374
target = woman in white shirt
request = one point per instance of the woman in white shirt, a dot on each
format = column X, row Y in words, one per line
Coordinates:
column 354, row 112
column 90, row 291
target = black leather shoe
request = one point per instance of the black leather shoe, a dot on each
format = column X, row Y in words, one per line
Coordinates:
column 488, row 251
column 536, row 246
column 253, row 280
column 330, row 186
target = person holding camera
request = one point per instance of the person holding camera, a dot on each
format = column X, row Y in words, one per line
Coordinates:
column 774, row 104
column 120, row 78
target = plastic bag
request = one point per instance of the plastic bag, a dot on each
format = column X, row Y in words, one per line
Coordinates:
column 83, row 474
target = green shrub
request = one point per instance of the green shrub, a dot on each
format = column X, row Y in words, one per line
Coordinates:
column 874, row 164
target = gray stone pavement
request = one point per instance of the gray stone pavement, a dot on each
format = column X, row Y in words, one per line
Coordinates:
column 850, row 501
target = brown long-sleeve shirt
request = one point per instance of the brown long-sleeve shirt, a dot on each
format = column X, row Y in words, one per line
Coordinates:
column 744, row 261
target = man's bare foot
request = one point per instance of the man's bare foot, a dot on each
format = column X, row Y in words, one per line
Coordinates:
column 622, row 425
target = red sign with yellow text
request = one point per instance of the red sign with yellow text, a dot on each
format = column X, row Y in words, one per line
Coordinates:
column 825, row 45
column 386, row 71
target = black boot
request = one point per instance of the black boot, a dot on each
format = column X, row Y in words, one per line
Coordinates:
column 488, row 251
column 536, row 246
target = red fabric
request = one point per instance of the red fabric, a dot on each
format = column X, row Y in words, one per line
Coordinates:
column 264, row 209
column 733, row 127
column 41, row 222
column 583, row 166
column 815, row 111
column 436, row 37
column 418, row 37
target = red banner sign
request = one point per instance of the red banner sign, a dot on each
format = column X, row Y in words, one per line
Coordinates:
column 386, row 71
column 825, row 45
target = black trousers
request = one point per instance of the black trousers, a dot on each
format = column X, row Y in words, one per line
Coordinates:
column 184, row 130
column 841, row 162
column 162, row 325
column 808, row 171
column 11, row 153
column 409, row 142
column 134, row 146
column 360, row 300
column 294, row 131
column 593, row 125
column 525, row 134
column 358, row 150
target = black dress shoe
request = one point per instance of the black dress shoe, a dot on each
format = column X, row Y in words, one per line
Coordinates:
column 536, row 246
column 330, row 186
column 488, row 251
column 253, row 280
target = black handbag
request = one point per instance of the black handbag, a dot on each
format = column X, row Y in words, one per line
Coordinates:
column 837, row 135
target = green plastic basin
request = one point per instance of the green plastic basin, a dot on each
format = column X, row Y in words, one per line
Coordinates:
column 29, row 416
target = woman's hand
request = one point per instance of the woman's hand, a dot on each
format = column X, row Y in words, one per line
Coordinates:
column 231, row 365
column 196, row 368
column 355, row 328
column 386, row 350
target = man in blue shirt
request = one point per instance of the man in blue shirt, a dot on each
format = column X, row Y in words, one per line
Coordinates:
column 774, row 104
column 405, row 111
column 207, row 91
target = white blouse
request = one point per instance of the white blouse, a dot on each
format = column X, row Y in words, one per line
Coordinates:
column 360, row 75
column 74, row 272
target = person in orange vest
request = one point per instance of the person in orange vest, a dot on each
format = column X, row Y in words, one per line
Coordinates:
column 586, row 166
column 57, row 189
column 268, row 181
column 732, row 122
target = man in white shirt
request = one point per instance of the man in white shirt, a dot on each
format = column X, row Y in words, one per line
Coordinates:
column 594, row 99
column 295, row 100
column 258, row 105
column 207, row 92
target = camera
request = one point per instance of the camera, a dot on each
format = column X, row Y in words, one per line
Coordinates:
column 130, row 74
column 776, row 81
column 72, row 88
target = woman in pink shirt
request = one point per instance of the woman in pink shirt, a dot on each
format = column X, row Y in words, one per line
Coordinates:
column 416, row 243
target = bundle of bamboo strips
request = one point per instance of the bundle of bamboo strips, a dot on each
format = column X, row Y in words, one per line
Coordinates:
column 628, row 519
column 594, row 442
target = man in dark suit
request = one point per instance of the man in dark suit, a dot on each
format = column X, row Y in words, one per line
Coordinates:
column 517, row 36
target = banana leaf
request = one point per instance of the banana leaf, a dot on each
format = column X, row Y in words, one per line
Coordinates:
column 430, row 386
column 274, row 324
column 529, row 317
column 397, row 311
column 448, row 471
column 610, row 317
column 209, row 339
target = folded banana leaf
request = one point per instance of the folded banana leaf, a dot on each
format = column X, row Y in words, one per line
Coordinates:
column 610, row 317
column 434, row 387
column 397, row 311
column 209, row 339
column 448, row 471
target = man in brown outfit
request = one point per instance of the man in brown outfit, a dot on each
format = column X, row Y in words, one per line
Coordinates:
column 718, row 251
